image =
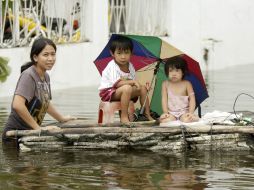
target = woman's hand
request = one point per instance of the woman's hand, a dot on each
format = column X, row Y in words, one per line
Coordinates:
column 50, row 127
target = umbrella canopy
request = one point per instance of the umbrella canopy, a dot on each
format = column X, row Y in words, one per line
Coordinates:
column 147, row 52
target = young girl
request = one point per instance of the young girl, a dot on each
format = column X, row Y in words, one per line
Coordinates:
column 178, row 100
column 118, row 79
column 32, row 96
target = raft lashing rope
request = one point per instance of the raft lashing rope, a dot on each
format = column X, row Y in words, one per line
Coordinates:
column 241, row 119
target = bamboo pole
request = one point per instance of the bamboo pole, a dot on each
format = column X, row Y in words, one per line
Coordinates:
column 83, row 123
column 170, row 130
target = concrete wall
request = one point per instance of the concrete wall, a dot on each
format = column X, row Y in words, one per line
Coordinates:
column 227, row 23
column 74, row 66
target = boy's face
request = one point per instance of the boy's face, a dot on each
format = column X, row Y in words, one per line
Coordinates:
column 122, row 57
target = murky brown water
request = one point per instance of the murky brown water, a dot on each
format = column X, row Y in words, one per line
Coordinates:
column 71, row 169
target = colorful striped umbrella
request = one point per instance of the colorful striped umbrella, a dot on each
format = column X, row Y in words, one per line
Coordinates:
column 147, row 52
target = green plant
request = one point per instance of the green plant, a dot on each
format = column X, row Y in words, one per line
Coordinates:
column 5, row 70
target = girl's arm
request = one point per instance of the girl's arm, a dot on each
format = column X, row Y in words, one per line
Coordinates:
column 192, row 100
column 164, row 97
column 56, row 115
column 20, row 107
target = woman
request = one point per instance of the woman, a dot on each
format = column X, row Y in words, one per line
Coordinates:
column 32, row 96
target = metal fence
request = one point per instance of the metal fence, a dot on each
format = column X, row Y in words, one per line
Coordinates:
column 23, row 20
column 143, row 17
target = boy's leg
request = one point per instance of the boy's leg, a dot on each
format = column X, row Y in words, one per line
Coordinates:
column 123, row 94
column 142, row 92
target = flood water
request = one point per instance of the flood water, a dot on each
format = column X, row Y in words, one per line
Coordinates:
column 70, row 169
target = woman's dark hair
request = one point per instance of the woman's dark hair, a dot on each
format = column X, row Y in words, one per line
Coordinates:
column 176, row 62
column 38, row 45
column 122, row 43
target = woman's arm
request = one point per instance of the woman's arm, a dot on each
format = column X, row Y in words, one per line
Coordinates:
column 20, row 107
column 192, row 100
column 164, row 97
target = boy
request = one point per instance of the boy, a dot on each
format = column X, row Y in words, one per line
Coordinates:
column 118, row 79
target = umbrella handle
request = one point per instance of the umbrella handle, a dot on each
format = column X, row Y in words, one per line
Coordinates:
column 154, row 73
column 157, row 67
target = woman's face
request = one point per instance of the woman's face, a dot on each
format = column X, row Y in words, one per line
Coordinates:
column 46, row 58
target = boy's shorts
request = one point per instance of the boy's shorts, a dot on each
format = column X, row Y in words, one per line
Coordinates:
column 107, row 93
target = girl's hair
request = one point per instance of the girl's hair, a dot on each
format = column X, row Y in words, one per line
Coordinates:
column 122, row 43
column 176, row 62
column 37, row 47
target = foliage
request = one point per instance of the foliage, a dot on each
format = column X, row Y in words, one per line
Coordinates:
column 5, row 70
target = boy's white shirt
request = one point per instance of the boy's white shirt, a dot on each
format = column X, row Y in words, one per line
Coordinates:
column 112, row 73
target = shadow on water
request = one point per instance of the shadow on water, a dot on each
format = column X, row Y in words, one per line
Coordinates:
column 106, row 169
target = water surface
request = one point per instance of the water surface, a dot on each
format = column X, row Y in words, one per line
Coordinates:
column 78, row 169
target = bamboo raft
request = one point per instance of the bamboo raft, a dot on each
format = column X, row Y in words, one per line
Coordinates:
column 80, row 134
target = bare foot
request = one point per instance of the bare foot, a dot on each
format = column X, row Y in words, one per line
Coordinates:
column 125, row 120
column 149, row 117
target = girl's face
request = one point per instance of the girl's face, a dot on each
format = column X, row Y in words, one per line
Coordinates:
column 175, row 75
column 122, row 57
column 46, row 58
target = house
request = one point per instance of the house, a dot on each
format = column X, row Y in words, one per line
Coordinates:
column 221, row 30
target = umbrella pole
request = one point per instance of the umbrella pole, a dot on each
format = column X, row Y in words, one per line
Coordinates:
column 154, row 74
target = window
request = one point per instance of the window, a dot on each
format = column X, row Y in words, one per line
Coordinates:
column 146, row 17
column 59, row 20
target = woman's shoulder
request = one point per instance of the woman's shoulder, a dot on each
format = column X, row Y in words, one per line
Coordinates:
column 47, row 77
column 27, row 73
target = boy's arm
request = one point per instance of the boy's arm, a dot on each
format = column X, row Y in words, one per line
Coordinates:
column 164, row 97
column 127, row 82
column 192, row 100
column 130, row 81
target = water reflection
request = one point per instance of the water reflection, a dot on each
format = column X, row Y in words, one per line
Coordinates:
column 97, row 170
column 70, row 169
